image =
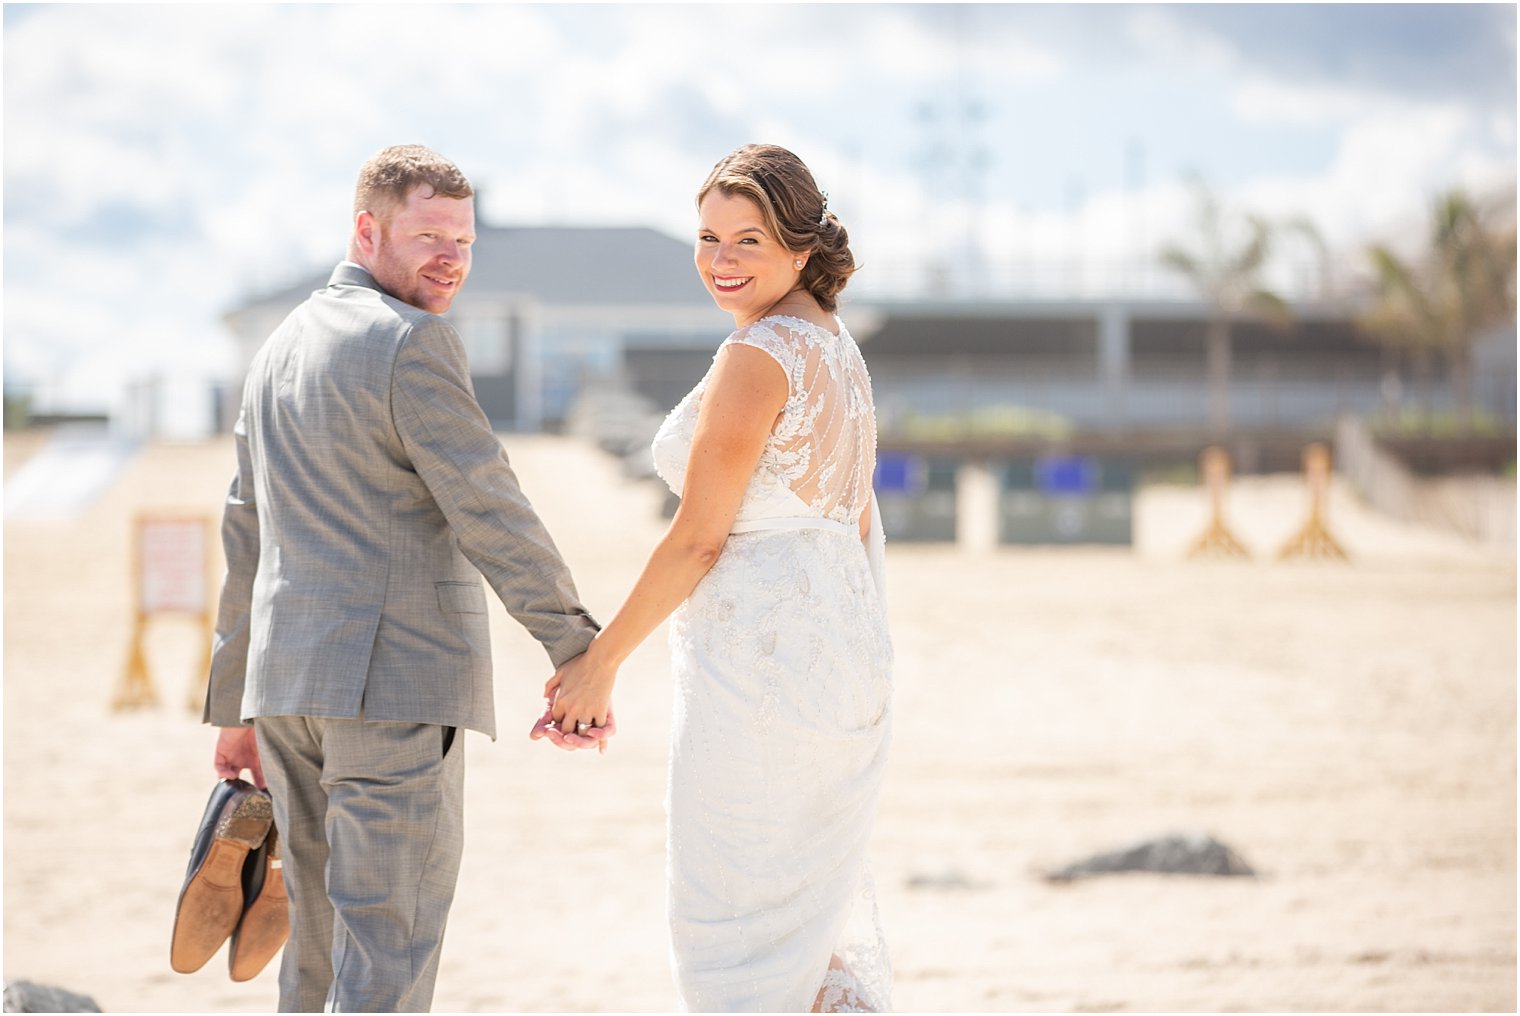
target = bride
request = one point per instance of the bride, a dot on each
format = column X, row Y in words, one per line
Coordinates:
column 770, row 574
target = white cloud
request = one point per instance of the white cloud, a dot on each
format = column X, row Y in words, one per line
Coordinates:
column 1165, row 36
column 1394, row 160
column 1267, row 101
column 904, row 50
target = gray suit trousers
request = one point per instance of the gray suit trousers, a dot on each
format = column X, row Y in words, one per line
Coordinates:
column 371, row 818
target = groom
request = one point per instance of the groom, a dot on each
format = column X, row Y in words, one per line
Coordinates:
column 370, row 497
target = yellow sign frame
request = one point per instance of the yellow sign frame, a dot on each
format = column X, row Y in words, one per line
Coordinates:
column 171, row 574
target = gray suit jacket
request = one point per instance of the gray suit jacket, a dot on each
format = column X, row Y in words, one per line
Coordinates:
column 370, row 497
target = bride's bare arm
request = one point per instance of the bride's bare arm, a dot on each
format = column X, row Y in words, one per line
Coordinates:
column 745, row 394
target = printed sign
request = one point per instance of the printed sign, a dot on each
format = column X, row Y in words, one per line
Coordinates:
column 172, row 565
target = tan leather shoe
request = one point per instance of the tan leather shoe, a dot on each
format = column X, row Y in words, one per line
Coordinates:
column 237, row 820
column 266, row 914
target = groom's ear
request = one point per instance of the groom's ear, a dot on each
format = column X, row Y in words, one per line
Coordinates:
column 366, row 232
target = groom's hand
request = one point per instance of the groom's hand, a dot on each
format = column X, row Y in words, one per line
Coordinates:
column 596, row 737
column 237, row 749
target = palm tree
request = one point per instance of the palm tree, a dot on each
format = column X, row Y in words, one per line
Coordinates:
column 1227, row 275
column 1457, row 291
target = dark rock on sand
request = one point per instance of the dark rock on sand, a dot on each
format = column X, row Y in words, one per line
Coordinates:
column 947, row 880
column 25, row 996
column 1179, row 854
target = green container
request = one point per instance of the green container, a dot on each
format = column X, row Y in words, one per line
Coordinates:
column 917, row 498
column 1066, row 500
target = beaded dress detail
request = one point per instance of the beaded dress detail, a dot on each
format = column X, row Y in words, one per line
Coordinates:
column 782, row 666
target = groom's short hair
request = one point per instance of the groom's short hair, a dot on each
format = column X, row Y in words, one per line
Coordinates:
column 391, row 173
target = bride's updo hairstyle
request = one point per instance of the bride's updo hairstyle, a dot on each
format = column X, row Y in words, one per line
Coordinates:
column 795, row 211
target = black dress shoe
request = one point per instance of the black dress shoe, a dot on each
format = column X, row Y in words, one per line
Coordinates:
column 237, row 820
column 266, row 912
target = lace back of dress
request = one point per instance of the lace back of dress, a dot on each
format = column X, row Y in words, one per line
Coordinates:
column 831, row 451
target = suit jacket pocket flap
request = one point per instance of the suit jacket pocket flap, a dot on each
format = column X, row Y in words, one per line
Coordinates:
column 461, row 597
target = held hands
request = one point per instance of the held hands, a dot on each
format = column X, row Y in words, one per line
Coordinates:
column 547, row 728
column 579, row 710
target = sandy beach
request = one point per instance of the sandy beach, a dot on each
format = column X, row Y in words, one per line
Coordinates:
column 1348, row 729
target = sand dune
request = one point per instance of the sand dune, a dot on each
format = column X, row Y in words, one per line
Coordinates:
column 1350, row 730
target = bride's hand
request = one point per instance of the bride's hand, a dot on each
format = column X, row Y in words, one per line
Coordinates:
column 581, row 691
column 544, row 729
column 580, row 701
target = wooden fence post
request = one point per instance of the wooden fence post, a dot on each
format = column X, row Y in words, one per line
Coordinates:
column 1216, row 540
column 1313, row 539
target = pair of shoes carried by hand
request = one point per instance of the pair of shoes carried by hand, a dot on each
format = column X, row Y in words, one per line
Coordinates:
column 234, row 887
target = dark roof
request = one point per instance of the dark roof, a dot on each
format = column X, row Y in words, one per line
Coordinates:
column 933, row 330
column 584, row 265
column 935, row 336
column 587, row 265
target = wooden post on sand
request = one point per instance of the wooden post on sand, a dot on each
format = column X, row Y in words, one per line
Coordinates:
column 1217, row 540
column 1314, row 539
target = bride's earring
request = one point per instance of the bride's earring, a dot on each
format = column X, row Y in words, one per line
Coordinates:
column 798, row 263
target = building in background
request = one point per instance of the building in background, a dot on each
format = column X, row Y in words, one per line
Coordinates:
column 1045, row 411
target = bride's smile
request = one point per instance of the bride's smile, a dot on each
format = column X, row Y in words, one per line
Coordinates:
column 746, row 269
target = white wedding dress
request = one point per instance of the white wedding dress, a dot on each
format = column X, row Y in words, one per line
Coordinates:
column 782, row 668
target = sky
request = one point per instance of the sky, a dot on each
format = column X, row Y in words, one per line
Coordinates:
column 165, row 162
